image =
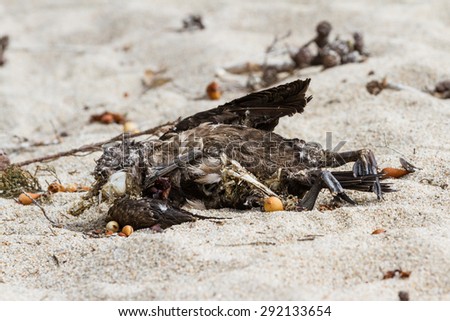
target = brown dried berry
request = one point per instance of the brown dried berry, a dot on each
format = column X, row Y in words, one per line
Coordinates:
column 442, row 86
column 303, row 57
column 323, row 28
column 127, row 230
column 331, row 59
column 55, row 187
column 359, row 42
column 107, row 119
column 213, row 91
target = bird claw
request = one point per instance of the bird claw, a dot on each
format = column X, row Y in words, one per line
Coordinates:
column 367, row 165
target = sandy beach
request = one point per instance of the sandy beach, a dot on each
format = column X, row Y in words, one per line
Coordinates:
column 68, row 60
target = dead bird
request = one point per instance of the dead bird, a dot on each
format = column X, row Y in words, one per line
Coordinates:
column 229, row 157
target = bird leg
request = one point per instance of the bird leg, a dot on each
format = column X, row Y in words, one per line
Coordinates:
column 326, row 179
column 365, row 164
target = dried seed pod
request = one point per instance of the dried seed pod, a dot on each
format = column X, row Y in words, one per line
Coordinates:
column 331, row 59
column 378, row 231
column 130, row 127
column 71, row 188
column 213, row 91
column 27, row 199
column 442, row 86
column 359, row 42
column 107, row 119
column 112, row 226
column 303, row 57
column 394, row 172
column 272, row 204
column 55, row 187
column 127, row 230
column 323, row 30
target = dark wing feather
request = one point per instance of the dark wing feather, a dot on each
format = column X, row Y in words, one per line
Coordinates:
column 260, row 110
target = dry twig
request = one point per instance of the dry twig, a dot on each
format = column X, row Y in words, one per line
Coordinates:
column 94, row 147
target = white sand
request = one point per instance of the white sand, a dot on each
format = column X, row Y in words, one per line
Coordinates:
column 65, row 55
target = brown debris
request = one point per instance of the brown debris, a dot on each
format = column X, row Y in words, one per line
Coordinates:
column 108, row 118
column 396, row 273
column 153, row 79
column 327, row 53
column 403, row 296
column 442, row 89
column 330, row 53
column 378, row 231
column 213, row 91
column 399, row 172
column 193, row 22
column 327, row 207
column 394, row 172
column 4, row 42
column 374, row 87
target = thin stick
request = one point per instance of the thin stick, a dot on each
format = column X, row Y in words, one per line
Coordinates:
column 92, row 147
column 39, row 205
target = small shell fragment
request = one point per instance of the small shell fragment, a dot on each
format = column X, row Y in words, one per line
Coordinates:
column 272, row 204
column 112, row 226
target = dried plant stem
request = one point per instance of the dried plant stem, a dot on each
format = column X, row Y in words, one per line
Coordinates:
column 38, row 205
column 93, row 147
